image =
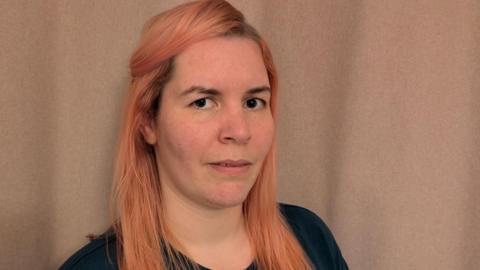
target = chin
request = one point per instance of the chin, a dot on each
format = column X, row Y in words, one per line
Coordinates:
column 227, row 198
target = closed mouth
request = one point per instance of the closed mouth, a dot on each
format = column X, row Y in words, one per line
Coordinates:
column 231, row 167
column 232, row 163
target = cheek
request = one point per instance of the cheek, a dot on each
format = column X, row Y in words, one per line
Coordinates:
column 187, row 140
column 264, row 135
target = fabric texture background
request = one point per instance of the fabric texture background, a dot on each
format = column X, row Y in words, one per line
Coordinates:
column 378, row 133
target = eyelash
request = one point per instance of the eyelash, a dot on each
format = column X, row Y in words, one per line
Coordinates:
column 262, row 102
column 194, row 105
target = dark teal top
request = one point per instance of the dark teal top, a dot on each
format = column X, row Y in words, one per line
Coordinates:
column 312, row 233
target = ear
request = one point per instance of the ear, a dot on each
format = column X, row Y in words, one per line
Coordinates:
column 149, row 131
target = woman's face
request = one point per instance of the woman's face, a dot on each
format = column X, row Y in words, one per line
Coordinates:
column 214, row 127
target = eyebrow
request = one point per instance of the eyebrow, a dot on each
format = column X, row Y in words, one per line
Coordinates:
column 215, row 92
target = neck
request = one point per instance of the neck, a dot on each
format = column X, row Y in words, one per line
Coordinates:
column 196, row 226
column 213, row 237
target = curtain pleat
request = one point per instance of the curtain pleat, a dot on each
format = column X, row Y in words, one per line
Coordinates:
column 378, row 126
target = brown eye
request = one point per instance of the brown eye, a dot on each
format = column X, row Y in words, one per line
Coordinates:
column 255, row 103
column 202, row 103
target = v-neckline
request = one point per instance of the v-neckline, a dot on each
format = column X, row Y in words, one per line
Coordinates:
column 252, row 266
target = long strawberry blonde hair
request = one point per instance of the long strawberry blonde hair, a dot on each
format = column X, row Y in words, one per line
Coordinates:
column 144, row 242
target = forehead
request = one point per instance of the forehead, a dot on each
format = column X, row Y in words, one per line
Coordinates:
column 223, row 63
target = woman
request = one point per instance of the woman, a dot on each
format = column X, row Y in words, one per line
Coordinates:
column 195, row 177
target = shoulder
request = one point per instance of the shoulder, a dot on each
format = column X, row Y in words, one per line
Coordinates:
column 305, row 222
column 99, row 254
column 315, row 237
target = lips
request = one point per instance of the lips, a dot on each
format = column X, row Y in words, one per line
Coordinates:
column 231, row 167
column 232, row 163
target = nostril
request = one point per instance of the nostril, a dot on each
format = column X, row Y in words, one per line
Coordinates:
column 234, row 130
column 236, row 139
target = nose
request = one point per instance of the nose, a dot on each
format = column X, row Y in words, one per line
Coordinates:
column 235, row 128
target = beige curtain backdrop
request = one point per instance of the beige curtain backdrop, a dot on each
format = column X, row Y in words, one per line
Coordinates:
column 379, row 123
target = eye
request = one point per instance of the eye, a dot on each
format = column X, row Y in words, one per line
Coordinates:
column 202, row 103
column 255, row 103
